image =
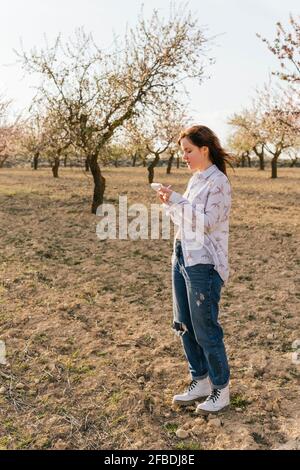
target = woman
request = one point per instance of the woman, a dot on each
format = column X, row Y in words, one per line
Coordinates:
column 200, row 268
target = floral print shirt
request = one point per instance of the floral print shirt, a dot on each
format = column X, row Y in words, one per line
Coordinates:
column 208, row 195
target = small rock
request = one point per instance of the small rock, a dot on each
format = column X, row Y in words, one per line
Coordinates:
column 181, row 433
column 293, row 444
column 197, row 430
column 42, row 442
column 60, row 445
column 239, row 409
column 242, row 437
column 62, row 431
column 187, row 425
column 269, row 407
column 138, row 445
column 53, row 420
column 2, row 390
column 256, row 384
column 20, row 386
column 200, row 420
column 216, row 422
column 276, row 408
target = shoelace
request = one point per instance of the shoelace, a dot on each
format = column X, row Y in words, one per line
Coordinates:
column 192, row 385
column 214, row 395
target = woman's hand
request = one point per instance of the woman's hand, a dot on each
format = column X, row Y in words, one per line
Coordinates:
column 164, row 193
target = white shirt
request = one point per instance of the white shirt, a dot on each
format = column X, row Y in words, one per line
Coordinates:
column 212, row 191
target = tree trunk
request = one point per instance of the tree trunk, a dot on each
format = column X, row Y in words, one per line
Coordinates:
column 55, row 167
column 177, row 163
column 134, row 159
column 249, row 160
column 36, row 160
column 151, row 167
column 274, row 167
column 99, row 183
column 86, row 163
column 261, row 161
column 170, row 161
column 65, row 161
column 243, row 160
column 261, row 156
column 144, row 163
column 2, row 161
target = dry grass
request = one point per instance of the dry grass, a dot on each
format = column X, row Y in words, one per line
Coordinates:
column 93, row 362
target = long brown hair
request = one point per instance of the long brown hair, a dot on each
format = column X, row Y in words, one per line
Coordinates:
column 203, row 136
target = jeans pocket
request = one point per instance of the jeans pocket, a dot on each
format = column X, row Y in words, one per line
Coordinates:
column 220, row 279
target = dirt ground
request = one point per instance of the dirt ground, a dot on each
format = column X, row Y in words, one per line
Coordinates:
column 92, row 362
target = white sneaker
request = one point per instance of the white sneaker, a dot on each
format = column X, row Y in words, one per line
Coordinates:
column 197, row 389
column 217, row 400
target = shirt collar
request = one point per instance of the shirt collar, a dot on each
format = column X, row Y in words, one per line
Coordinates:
column 206, row 173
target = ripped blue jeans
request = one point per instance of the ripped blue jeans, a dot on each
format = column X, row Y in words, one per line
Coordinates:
column 196, row 295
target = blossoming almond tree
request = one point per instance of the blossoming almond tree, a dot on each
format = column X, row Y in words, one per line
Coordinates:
column 247, row 137
column 96, row 91
column 159, row 132
column 286, row 47
column 33, row 138
column 10, row 131
column 276, row 124
column 269, row 125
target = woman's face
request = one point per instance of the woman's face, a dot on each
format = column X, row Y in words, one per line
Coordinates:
column 195, row 157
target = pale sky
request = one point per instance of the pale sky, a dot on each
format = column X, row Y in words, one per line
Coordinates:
column 243, row 62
